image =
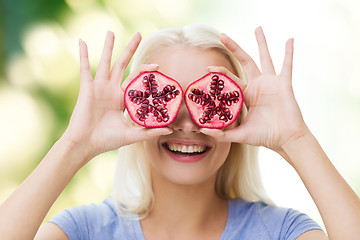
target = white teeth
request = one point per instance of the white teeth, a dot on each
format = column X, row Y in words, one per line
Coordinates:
column 186, row 148
column 197, row 149
column 171, row 147
column 190, row 149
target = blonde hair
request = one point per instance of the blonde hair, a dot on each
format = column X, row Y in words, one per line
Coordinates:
column 238, row 177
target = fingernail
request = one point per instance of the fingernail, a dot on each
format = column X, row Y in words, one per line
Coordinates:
column 223, row 35
column 259, row 30
column 170, row 132
column 290, row 41
column 220, row 134
column 137, row 34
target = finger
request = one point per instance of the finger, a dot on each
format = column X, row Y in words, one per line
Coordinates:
column 118, row 71
column 137, row 134
column 226, row 72
column 286, row 70
column 85, row 73
column 143, row 68
column 215, row 133
column 237, row 134
column 250, row 68
column 103, row 70
column 265, row 59
column 154, row 132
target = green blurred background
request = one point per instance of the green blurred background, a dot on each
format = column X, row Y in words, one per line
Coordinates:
column 39, row 78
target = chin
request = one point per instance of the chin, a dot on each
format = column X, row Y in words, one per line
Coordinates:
column 185, row 176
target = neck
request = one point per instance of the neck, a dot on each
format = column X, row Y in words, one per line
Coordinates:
column 185, row 208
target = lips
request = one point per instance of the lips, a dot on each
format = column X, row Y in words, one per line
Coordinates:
column 185, row 151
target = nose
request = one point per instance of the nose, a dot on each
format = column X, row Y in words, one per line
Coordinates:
column 183, row 122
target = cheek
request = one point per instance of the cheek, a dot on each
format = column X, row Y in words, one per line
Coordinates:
column 152, row 149
column 222, row 152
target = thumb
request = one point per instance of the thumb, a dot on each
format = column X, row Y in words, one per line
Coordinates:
column 154, row 132
column 238, row 134
column 138, row 134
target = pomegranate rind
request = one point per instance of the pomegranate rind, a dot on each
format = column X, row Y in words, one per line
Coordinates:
column 172, row 106
column 198, row 110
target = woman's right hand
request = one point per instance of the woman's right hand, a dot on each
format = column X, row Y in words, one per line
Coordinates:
column 98, row 124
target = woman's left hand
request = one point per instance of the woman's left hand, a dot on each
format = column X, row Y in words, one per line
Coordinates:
column 274, row 117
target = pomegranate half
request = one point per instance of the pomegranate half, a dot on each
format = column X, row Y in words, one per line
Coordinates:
column 214, row 101
column 153, row 99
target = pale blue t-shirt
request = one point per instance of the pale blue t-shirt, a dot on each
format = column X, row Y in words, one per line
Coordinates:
column 246, row 220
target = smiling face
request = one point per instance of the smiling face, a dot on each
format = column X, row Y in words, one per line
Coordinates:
column 186, row 156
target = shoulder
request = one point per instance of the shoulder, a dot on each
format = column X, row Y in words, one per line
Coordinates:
column 268, row 222
column 89, row 221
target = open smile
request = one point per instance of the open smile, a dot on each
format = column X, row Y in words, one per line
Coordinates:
column 186, row 151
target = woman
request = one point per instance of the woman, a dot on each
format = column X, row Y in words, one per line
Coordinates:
column 216, row 197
